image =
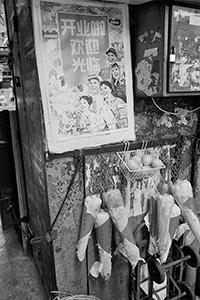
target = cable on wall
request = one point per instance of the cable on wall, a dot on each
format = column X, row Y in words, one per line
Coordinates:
column 172, row 113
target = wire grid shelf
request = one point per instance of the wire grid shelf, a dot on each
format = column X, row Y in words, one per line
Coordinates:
column 80, row 297
column 73, row 297
column 143, row 172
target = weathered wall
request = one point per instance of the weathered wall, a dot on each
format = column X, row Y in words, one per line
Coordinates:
column 71, row 276
column 20, row 34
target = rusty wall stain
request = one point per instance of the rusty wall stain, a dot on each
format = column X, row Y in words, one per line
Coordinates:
column 71, row 275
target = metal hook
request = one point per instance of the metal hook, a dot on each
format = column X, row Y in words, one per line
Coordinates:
column 101, row 156
column 126, row 148
column 144, row 145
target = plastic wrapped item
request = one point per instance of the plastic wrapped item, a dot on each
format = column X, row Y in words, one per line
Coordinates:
column 192, row 221
column 90, row 210
column 183, row 194
column 119, row 215
column 103, row 229
column 164, row 210
column 181, row 190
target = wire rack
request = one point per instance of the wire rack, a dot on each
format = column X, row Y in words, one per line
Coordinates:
column 76, row 297
column 143, row 172
column 80, row 297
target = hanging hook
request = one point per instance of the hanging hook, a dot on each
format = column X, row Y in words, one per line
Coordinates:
column 144, row 145
column 126, row 149
column 103, row 159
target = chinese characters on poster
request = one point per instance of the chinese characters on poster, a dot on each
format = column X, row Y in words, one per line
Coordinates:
column 83, row 59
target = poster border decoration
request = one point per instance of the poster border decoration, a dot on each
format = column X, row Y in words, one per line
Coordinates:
column 52, row 57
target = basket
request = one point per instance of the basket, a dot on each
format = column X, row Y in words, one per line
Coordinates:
column 143, row 173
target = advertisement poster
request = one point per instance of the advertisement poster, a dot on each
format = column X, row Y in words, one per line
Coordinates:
column 83, row 59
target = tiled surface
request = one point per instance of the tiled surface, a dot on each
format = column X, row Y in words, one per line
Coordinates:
column 19, row 279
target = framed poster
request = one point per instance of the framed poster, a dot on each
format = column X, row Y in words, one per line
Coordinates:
column 83, row 60
column 185, row 50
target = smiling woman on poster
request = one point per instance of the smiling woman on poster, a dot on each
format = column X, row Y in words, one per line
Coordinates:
column 118, row 81
column 89, row 121
column 114, row 110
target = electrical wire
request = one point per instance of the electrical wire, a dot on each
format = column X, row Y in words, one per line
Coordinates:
column 172, row 113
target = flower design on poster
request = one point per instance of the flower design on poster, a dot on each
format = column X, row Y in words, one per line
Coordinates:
column 83, row 59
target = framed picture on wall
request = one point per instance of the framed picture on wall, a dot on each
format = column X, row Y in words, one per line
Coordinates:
column 184, row 69
column 84, row 67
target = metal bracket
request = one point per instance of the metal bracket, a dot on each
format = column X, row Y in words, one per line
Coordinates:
column 15, row 23
column 48, row 237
